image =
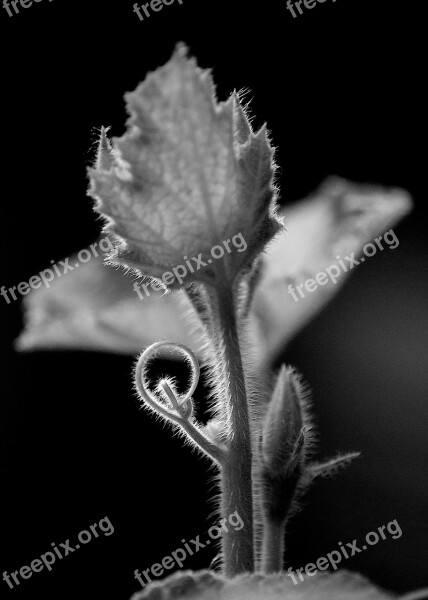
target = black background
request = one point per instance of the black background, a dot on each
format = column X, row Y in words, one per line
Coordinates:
column 341, row 90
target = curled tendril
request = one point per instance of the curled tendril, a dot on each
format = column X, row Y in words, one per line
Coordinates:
column 179, row 402
column 179, row 407
column 185, row 408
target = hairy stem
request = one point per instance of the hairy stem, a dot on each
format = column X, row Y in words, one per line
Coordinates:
column 273, row 546
column 236, row 486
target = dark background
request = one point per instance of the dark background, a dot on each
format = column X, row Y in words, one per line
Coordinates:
column 341, row 90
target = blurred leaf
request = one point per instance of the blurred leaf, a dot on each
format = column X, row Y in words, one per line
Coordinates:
column 96, row 307
column 337, row 220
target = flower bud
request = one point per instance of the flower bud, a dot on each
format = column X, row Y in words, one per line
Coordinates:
column 283, row 423
column 283, row 451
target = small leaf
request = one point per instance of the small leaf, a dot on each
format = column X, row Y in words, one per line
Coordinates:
column 330, row 467
column 105, row 157
column 190, row 174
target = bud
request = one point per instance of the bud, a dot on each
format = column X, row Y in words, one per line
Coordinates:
column 283, row 424
column 284, row 442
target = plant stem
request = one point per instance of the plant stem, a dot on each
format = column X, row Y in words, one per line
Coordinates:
column 273, row 546
column 236, row 485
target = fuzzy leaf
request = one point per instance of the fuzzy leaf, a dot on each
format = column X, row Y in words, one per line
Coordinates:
column 190, row 173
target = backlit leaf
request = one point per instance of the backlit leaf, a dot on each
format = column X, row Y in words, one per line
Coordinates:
column 188, row 175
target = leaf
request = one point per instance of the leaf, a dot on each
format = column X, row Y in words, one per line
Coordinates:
column 188, row 175
column 338, row 219
column 330, row 467
column 96, row 307
column 207, row 585
column 105, row 156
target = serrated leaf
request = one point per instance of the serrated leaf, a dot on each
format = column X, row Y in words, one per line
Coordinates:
column 190, row 174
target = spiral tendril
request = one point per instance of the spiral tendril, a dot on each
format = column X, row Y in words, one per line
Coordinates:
column 179, row 409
